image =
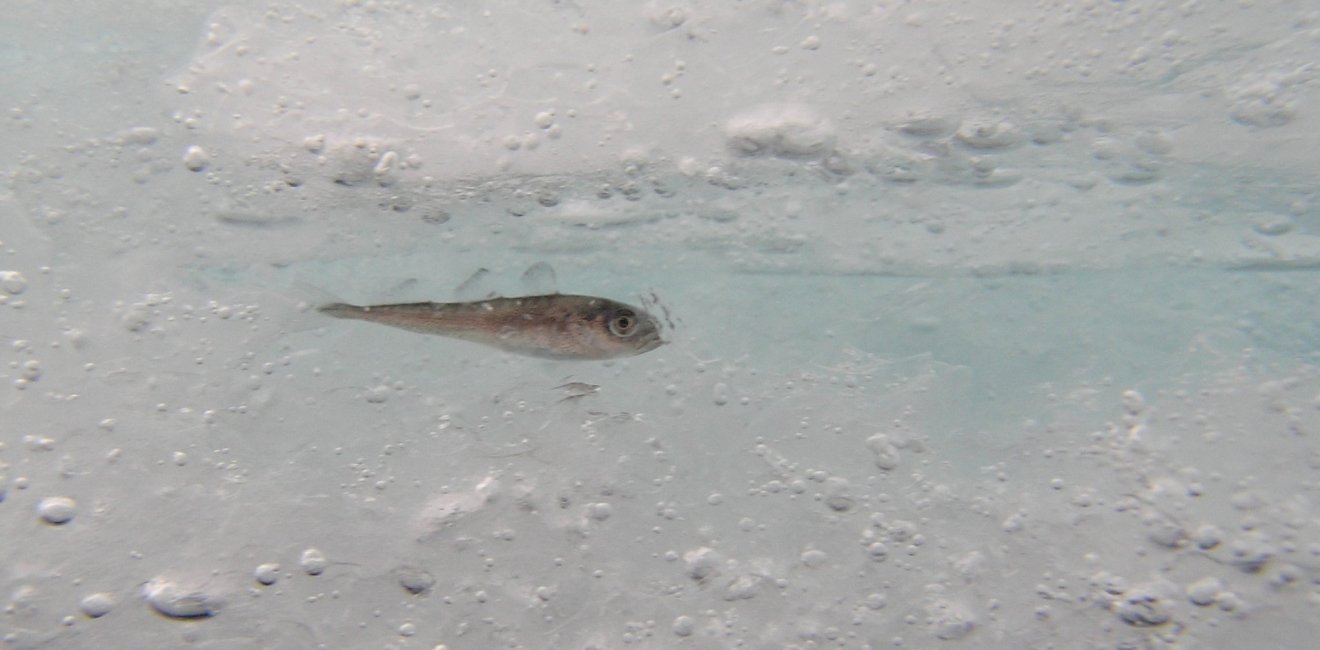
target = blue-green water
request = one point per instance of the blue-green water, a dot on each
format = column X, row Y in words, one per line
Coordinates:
column 994, row 325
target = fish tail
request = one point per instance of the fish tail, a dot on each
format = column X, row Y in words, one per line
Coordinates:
column 341, row 310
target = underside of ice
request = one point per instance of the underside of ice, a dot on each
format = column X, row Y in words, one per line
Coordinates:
column 990, row 325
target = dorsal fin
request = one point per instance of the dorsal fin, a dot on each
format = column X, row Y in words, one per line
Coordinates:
column 476, row 287
column 539, row 279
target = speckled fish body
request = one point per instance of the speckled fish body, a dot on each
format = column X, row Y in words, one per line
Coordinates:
column 553, row 326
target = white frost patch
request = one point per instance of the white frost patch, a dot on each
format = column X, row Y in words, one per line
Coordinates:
column 13, row 282
column 590, row 214
column 447, row 509
column 786, row 130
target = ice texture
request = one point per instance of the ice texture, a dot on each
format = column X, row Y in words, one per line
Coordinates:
column 991, row 325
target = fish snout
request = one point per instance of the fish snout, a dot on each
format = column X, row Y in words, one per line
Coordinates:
column 650, row 341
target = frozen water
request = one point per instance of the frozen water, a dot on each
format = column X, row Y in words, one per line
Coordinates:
column 992, row 325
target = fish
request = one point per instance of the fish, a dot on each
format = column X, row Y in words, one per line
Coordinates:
column 549, row 326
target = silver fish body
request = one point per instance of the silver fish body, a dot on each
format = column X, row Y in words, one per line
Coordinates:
column 551, row 326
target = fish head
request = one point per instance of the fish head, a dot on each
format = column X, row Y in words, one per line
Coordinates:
column 621, row 330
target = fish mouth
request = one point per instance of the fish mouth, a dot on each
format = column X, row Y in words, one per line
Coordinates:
column 651, row 342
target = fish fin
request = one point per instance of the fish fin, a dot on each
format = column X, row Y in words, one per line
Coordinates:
column 340, row 309
column 540, row 279
column 476, row 287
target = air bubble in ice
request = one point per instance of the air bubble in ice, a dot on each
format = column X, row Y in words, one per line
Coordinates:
column 313, row 561
column 930, row 126
column 1208, row 536
column 385, row 168
column 989, row 135
column 600, row 511
column 415, row 580
column 1133, row 402
column 314, row 143
column 267, row 574
column 1165, row 532
column 744, row 587
column 1272, row 224
column 813, row 558
column 1146, row 605
column 57, row 510
column 195, row 158
column 143, row 135
column 13, row 282
column 174, row 601
column 1204, row 591
column 839, row 498
column 720, row 393
column 96, row 605
column 885, row 453
column 950, row 621
column 1251, row 551
column 701, row 563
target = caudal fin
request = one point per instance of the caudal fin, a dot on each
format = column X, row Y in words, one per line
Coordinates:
column 341, row 310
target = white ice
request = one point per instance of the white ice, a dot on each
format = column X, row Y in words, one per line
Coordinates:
column 994, row 325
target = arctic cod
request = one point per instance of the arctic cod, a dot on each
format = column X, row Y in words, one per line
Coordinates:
column 551, row 326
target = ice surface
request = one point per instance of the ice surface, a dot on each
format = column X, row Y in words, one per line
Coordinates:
column 992, row 325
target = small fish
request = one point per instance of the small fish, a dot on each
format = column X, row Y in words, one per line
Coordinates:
column 551, row 326
column 577, row 390
column 579, row 387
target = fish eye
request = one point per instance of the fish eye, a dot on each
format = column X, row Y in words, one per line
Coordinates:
column 623, row 323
